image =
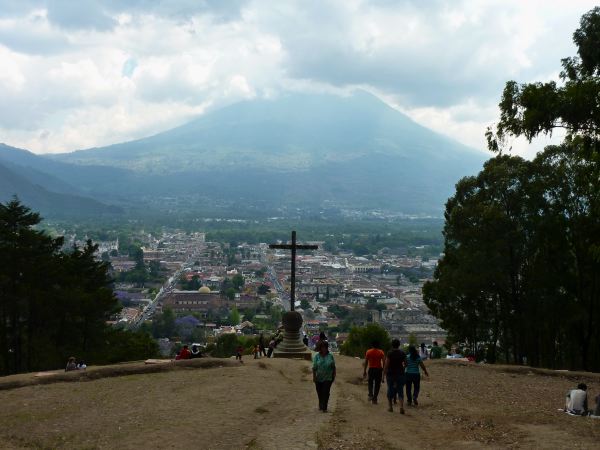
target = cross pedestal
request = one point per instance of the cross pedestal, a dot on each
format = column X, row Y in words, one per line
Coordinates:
column 292, row 346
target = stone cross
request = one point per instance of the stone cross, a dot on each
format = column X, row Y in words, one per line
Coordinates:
column 293, row 247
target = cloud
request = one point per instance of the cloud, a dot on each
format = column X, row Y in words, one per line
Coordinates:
column 92, row 72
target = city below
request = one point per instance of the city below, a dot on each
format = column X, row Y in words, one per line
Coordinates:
column 203, row 282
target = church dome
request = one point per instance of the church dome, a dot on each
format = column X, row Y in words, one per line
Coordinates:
column 204, row 290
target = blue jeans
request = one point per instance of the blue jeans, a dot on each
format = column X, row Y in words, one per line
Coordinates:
column 412, row 379
column 395, row 386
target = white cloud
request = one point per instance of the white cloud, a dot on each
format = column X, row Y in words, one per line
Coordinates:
column 115, row 70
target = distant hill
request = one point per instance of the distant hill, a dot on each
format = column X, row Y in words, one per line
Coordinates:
column 300, row 150
column 44, row 192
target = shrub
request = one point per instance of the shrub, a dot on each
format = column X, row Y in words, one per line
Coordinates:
column 360, row 340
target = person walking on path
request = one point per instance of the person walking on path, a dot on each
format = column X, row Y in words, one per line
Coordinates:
column 423, row 353
column 323, row 373
column 374, row 359
column 261, row 344
column 239, row 351
column 393, row 372
column 413, row 376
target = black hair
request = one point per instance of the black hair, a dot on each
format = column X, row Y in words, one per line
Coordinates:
column 435, row 343
column 375, row 344
column 396, row 343
column 582, row 386
column 412, row 351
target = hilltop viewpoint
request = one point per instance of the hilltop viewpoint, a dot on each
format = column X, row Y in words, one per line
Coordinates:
column 271, row 404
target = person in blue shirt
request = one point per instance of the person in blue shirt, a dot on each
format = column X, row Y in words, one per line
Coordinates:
column 413, row 375
column 323, row 373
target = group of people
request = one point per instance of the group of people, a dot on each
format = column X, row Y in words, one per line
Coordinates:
column 186, row 353
column 398, row 369
column 576, row 402
column 73, row 364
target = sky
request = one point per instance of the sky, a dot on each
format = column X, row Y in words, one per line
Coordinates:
column 84, row 73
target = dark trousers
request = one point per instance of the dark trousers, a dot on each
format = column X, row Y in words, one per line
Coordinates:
column 413, row 384
column 395, row 384
column 375, row 375
column 323, row 388
column 270, row 352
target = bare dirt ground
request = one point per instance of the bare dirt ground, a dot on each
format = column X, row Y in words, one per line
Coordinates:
column 271, row 404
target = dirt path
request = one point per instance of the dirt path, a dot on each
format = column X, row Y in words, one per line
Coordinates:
column 461, row 406
column 272, row 404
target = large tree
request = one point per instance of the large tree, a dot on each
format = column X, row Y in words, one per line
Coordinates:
column 521, row 266
column 53, row 303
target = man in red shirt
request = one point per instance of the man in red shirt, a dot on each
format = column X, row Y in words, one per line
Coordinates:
column 374, row 359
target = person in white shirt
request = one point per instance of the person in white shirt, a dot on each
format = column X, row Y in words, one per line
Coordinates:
column 576, row 402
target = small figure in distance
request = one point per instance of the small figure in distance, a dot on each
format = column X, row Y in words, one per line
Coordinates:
column 71, row 364
column 374, row 359
column 261, row 343
column 196, row 352
column 393, row 372
column 413, row 375
column 239, row 351
column 423, row 352
column 256, row 351
column 184, row 353
column 323, row 373
column 272, row 345
column 305, row 340
column 576, row 401
column 597, row 410
column 436, row 351
column 81, row 365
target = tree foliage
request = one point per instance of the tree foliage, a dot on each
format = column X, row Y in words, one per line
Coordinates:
column 538, row 108
column 360, row 340
column 521, row 271
column 53, row 304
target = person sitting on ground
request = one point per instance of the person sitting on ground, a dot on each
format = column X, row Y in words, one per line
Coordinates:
column 576, row 401
column 81, row 365
column 184, row 353
column 196, row 352
column 71, row 364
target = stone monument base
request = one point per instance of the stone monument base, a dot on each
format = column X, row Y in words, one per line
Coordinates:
column 292, row 346
column 294, row 355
